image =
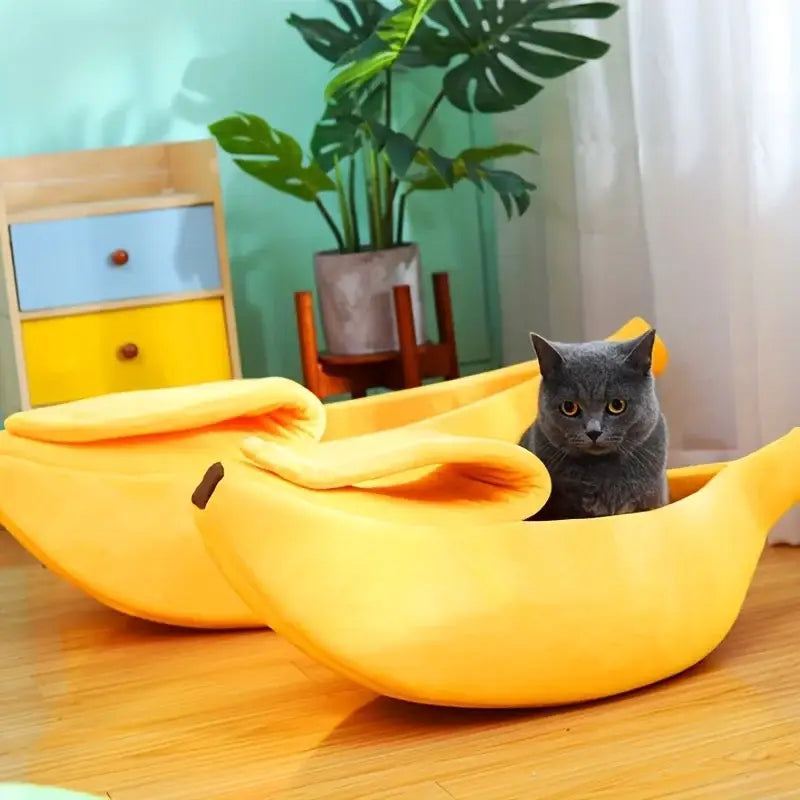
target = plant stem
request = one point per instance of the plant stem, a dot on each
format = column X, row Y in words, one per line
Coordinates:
column 388, row 95
column 351, row 196
column 344, row 208
column 421, row 128
column 369, row 187
column 375, row 197
column 388, row 211
column 401, row 215
column 331, row 224
column 437, row 101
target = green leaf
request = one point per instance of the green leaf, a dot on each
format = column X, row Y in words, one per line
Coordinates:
column 346, row 13
column 470, row 164
column 440, row 172
column 397, row 30
column 348, row 227
column 502, row 51
column 554, row 11
column 332, row 42
column 381, row 50
column 337, row 134
column 359, row 72
column 402, row 151
column 571, row 44
column 280, row 162
column 478, row 155
column 510, row 187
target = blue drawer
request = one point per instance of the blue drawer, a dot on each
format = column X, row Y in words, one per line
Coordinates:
column 68, row 262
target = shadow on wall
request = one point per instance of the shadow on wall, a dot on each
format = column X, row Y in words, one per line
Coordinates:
column 270, row 237
column 121, row 125
column 86, row 74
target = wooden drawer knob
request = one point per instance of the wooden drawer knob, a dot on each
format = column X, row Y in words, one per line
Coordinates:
column 119, row 258
column 128, row 351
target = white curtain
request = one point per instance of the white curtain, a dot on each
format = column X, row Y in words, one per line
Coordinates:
column 670, row 188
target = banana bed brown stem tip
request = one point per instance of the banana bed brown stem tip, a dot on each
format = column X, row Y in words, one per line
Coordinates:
column 202, row 494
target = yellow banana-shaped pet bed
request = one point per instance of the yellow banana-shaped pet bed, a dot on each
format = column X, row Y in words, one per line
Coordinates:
column 491, row 612
column 383, row 536
column 98, row 490
column 479, row 608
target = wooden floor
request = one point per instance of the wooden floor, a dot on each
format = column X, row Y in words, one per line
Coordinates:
column 98, row 702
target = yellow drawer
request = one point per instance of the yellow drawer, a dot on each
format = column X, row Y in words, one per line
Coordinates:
column 133, row 348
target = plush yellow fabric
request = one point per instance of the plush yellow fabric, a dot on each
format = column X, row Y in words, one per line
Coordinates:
column 411, row 475
column 492, row 613
column 99, row 489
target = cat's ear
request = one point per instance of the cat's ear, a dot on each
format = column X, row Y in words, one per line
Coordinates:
column 640, row 352
column 549, row 358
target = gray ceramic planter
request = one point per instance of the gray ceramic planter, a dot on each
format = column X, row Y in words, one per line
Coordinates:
column 356, row 302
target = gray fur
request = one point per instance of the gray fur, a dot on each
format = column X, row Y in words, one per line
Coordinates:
column 624, row 470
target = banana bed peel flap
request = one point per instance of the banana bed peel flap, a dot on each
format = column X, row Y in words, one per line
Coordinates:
column 98, row 489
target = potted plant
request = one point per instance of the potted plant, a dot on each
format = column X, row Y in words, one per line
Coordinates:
column 492, row 56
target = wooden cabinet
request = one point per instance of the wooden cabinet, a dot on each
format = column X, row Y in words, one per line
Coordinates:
column 147, row 347
column 116, row 274
column 105, row 259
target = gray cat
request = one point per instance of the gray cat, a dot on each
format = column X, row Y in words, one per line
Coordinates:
column 600, row 431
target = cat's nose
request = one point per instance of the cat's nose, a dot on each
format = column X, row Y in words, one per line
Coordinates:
column 593, row 434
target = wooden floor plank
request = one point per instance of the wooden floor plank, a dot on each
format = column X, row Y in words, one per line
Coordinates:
column 95, row 701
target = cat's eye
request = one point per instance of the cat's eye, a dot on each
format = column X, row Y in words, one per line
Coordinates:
column 569, row 408
column 616, row 406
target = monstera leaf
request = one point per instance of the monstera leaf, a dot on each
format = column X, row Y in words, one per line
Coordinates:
column 403, row 152
column 272, row 156
column 383, row 48
column 423, row 168
column 467, row 165
column 471, row 165
column 502, row 49
column 357, row 38
column 338, row 134
column 360, row 18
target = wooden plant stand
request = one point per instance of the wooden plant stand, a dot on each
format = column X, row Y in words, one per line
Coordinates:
column 328, row 374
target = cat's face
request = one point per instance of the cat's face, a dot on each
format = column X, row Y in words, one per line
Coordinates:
column 597, row 398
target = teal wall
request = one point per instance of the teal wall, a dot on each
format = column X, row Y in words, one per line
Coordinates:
column 78, row 74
